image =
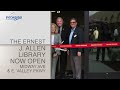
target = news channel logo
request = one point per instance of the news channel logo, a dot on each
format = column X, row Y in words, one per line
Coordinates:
column 13, row 17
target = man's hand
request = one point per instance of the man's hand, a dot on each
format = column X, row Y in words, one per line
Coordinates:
column 79, row 54
column 55, row 54
column 65, row 48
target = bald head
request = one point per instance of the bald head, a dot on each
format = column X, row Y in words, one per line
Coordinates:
column 59, row 21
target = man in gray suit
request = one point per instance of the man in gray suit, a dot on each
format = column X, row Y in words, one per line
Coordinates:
column 75, row 37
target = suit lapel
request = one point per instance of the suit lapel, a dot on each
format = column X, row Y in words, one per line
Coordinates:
column 55, row 39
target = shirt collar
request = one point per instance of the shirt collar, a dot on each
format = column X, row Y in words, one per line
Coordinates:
column 60, row 27
column 73, row 29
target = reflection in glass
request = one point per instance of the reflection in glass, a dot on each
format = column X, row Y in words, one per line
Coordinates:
column 104, row 26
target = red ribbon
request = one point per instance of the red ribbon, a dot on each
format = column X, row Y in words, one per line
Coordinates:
column 89, row 45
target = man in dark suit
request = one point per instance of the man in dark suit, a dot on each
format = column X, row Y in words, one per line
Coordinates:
column 75, row 37
column 63, row 31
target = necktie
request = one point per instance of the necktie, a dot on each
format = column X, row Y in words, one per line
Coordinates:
column 59, row 30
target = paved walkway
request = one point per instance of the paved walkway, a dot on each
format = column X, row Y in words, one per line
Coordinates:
column 98, row 66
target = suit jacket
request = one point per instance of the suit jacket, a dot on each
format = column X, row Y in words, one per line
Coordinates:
column 77, row 38
column 57, row 40
column 65, row 35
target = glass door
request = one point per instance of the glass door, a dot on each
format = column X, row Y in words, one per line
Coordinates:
column 102, row 63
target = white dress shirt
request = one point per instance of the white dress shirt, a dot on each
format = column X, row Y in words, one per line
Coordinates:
column 71, row 35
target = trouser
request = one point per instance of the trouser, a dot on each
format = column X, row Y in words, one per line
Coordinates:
column 116, row 38
column 63, row 63
column 103, row 53
column 76, row 66
column 53, row 64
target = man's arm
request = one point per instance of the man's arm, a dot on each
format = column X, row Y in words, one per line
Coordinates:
column 80, row 38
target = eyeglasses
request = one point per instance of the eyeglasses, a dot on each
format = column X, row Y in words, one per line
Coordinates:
column 72, row 22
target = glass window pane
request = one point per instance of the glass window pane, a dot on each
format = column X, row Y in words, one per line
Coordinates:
column 104, row 26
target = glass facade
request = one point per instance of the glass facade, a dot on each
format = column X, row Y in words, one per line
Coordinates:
column 104, row 26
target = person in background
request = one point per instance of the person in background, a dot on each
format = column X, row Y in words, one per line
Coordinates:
column 96, row 34
column 63, row 31
column 75, row 37
column 55, row 39
column 104, row 36
column 116, row 34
